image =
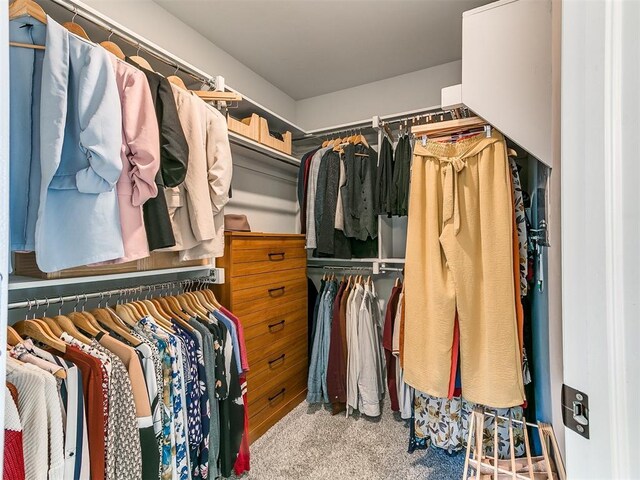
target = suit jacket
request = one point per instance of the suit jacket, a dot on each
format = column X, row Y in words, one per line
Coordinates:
column 330, row 240
column 80, row 125
column 24, row 141
column 385, row 195
column 174, row 155
column 140, row 155
column 360, row 219
column 196, row 207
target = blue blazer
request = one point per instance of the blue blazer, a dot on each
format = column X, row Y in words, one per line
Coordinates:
column 24, row 132
column 81, row 135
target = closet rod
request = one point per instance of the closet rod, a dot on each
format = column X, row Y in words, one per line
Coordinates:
column 370, row 122
column 343, row 268
column 136, row 41
column 35, row 303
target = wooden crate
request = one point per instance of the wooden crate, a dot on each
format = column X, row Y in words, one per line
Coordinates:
column 247, row 127
column 266, row 139
column 25, row 265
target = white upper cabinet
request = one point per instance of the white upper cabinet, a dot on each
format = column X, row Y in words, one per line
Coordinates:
column 507, row 71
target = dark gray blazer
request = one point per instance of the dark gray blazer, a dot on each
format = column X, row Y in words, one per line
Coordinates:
column 358, row 201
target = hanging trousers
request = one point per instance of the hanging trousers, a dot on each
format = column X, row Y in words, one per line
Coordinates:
column 460, row 259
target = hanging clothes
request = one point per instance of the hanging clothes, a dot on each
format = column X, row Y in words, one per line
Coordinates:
column 196, row 206
column 476, row 168
column 140, row 155
column 371, row 384
column 13, row 461
column 385, row 187
column 317, row 381
column 174, row 155
column 444, row 424
column 82, row 108
column 336, row 379
column 387, row 341
column 401, row 174
column 25, row 83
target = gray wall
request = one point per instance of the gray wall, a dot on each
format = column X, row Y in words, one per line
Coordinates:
column 403, row 93
column 156, row 24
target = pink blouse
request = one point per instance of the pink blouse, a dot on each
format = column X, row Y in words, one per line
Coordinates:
column 140, row 154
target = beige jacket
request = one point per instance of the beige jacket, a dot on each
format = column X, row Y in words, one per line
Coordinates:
column 196, row 207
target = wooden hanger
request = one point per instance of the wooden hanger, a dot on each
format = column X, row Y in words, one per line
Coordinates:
column 155, row 311
column 511, row 153
column 176, row 308
column 113, row 48
column 141, row 62
column 13, row 338
column 76, row 29
column 32, row 329
column 80, row 321
column 436, row 129
column 177, row 81
column 126, row 315
column 196, row 303
column 397, row 282
column 203, row 300
column 93, row 321
column 69, row 327
column 361, row 139
column 103, row 316
column 163, row 308
column 211, row 297
column 27, row 8
column 187, row 304
column 215, row 96
column 53, row 326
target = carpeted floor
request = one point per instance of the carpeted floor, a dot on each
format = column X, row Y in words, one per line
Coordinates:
column 311, row 444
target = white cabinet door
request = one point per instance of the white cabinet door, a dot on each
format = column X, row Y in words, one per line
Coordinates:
column 601, row 231
column 507, row 70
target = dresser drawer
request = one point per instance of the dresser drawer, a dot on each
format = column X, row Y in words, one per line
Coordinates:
column 268, row 266
column 275, row 325
column 263, row 347
column 263, row 370
column 274, row 255
column 256, row 243
column 258, row 322
column 268, row 296
column 250, row 281
column 270, row 396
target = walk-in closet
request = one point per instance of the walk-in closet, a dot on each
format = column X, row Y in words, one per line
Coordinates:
column 300, row 240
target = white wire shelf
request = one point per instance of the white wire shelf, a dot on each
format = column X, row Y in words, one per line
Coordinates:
column 17, row 282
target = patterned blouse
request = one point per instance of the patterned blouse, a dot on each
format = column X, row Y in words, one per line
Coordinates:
column 167, row 442
column 172, row 358
column 124, row 454
column 193, row 393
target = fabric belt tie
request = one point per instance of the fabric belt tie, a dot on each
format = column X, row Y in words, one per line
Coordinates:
column 450, row 201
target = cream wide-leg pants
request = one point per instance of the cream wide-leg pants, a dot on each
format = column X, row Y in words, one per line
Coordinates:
column 460, row 258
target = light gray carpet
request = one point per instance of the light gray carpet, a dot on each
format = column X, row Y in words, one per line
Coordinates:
column 311, row 444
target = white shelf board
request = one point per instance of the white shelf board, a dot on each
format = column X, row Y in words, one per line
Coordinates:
column 17, row 282
column 261, row 150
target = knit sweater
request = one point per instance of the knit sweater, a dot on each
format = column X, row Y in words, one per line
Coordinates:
column 33, row 415
column 13, row 452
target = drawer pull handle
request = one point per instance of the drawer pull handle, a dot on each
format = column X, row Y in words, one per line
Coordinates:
column 281, row 357
column 281, row 392
column 273, row 290
column 277, row 256
column 272, row 325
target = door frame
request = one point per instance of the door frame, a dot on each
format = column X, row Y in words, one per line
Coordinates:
column 600, row 230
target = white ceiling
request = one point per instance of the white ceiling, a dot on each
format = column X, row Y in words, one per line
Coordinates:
column 311, row 47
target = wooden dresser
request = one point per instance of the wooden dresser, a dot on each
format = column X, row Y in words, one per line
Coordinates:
column 266, row 287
